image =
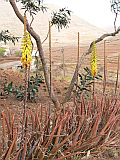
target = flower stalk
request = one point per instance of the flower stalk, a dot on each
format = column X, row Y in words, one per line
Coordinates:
column 94, row 65
column 26, row 48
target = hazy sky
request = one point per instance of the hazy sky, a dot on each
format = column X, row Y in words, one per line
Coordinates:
column 97, row 12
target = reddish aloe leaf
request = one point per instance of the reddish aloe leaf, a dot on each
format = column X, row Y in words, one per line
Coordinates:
column 8, row 153
column 52, row 134
column 15, row 131
column 45, row 132
column 73, row 146
column 83, row 111
column 95, row 126
column 62, row 122
column 78, row 131
column 37, row 122
column 33, row 148
column 90, row 143
column 12, row 125
column 17, row 155
column 9, row 130
column 112, row 116
column 58, row 135
column 46, row 114
column 41, row 112
column 109, row 140
column 12, row 121
column 55, row 150
column 112, row 124
column 89, row 109
column 4, row 131
column 33, row 121
column 8, row 125
column 24, row 150
column 9, row 116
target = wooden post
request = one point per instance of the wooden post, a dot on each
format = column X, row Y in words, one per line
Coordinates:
column 25, row 93
column 117, row 79
column 50, row 56
column 78, row 56
column 93, row 88
column 63, row 62
column 104, row 81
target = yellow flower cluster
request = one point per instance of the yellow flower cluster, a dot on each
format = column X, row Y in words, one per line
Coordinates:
column 26, row 49
column 94, row 60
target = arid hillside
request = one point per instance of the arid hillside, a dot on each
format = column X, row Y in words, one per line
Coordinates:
column 66, row 37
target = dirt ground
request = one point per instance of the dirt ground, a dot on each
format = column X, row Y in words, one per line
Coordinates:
column 18, row 78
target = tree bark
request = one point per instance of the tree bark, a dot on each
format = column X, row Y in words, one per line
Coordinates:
column 41, row 52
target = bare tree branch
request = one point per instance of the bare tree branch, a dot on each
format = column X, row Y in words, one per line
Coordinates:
column 103, row 37
column 115, row 21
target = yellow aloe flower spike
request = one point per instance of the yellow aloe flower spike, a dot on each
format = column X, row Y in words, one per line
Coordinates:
column 94, row 60
column 26, row 47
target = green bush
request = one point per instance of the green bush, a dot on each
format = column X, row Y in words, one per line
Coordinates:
column 2, row 51
column 33, row 85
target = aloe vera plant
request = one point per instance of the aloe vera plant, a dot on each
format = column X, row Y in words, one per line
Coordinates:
column 81, row 129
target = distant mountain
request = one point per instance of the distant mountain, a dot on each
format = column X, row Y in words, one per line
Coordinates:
column 65, row 37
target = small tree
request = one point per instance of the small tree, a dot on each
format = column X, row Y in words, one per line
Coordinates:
column 60, row 19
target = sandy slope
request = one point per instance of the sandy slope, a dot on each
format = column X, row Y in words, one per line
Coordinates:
column 66, row 37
